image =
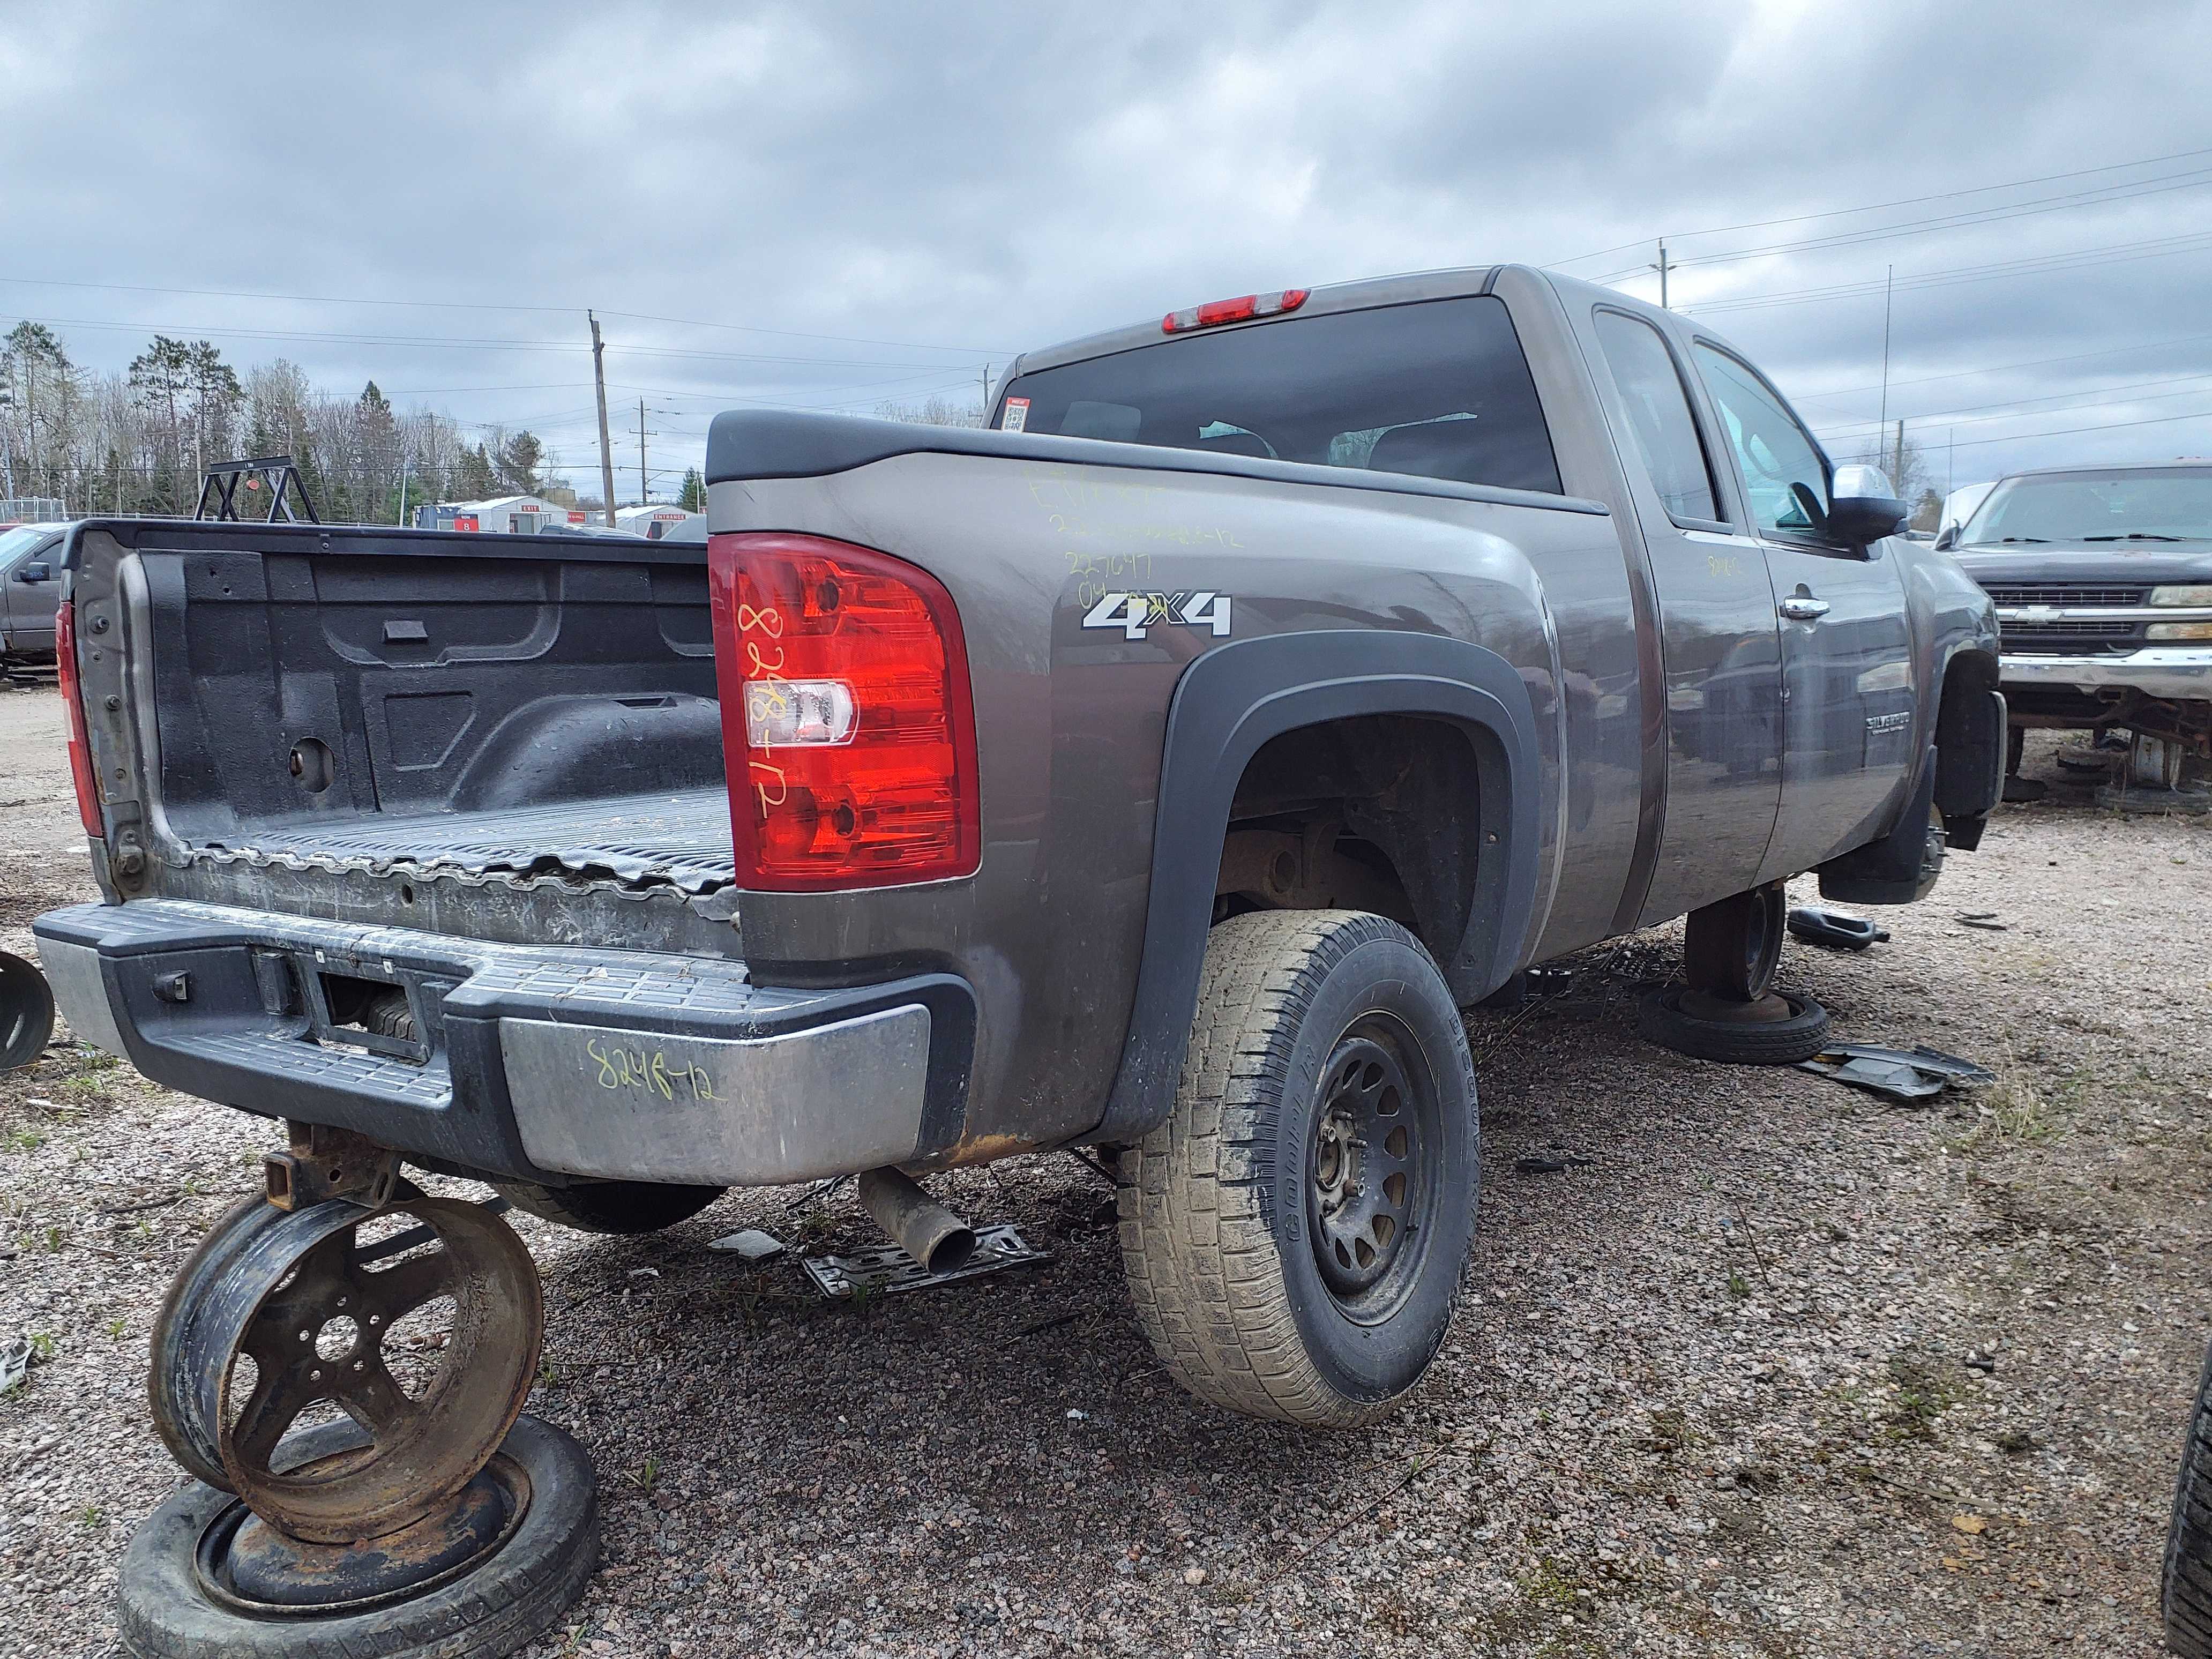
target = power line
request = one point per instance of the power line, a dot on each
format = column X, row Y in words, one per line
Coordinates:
column 1877, row 207
column 1999, row 369
column 2037, row 264
column 471, row 344
column 2193, row 179
column 2091, row 397
column 474, row 305
column 2067, row 432
column 790, row 334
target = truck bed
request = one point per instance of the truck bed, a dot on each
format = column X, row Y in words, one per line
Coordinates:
column 483, row 706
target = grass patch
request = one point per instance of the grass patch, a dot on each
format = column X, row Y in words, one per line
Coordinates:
column 1671, row 1431
column 2011, row 1112
column 1922, row 1394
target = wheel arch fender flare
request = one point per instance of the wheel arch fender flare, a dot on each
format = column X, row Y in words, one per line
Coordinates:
column 1234, row 699
column 1972, row 722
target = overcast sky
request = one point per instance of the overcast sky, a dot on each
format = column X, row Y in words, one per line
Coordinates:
column 836, row 205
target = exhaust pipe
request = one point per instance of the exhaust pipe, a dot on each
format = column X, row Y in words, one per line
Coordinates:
column 925, row 1228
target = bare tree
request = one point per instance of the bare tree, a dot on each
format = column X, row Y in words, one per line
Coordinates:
column 137, row 442
column 934, row 411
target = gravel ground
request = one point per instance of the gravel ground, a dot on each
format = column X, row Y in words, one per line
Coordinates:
column 1778, row 1371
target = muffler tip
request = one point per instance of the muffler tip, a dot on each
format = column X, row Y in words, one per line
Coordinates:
column 939, row 1240
column 952, row 1252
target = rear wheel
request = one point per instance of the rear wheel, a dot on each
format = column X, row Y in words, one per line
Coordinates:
column 1296, row 1233
column 2186, row 1593
column 610, row 1207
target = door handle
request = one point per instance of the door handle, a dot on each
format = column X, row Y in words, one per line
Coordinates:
column 1803, row 607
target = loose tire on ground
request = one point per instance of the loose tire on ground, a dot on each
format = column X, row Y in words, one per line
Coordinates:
column 1309, row 1023
column 1662, row 1019
column 610, row 1207
column 496, row 1607
column 2185, row 1590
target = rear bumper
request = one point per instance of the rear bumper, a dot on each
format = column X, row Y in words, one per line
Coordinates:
column 538, row 1062
column 2173, row 674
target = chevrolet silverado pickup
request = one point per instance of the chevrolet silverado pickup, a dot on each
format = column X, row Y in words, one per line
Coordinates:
column 2102, row 578
column 1159, row 771
column 30, row 588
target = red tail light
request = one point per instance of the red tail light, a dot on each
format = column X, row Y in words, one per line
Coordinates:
column 1233, row 311
column 849, row 728
column 80, row 751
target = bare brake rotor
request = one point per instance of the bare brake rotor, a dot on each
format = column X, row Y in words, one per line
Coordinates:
column 298, row 1295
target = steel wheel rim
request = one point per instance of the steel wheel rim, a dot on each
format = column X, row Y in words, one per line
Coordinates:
column 1762, row 942
column 270, row 1294
column 1373, row 1152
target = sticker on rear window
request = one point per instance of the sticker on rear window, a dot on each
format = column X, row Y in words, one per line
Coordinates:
column 1016, row 417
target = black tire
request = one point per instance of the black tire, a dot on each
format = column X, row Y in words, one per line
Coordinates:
column 1731, row 948
column 496, row 1607
column 26, row 1012
column 2185, row 1587
column 610, row 1207
column 1662, row 1019
column 1307, row 1018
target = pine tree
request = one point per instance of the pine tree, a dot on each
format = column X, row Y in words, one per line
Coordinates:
column 694, row 496
column 518, row 462
column 474, row 478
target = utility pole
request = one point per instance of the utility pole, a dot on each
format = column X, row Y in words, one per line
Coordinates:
column 606, row 448
column 7, row 461
column 1897, row 472
column 406, row 461
column 1887, row 282
column 1661, row 268
column 641, row 497
column 986, row 420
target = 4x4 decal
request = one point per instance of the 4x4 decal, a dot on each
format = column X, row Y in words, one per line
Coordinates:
column 1135, row 613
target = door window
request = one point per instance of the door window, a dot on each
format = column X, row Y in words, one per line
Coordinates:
column 1659, row 416
column 1778, row 459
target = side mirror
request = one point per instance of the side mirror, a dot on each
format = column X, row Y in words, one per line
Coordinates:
column 1946, row 538
column 1863, row 507
column 39, row 571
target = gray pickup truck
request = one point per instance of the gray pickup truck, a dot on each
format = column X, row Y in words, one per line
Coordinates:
column 1159, row 772
column 2102, row 578
column 30, row 588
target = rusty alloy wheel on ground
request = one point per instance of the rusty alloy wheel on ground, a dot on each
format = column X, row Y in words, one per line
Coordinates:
column 299, row 1296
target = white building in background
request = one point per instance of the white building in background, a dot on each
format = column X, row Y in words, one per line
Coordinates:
column 511, row 515
column 652, row 522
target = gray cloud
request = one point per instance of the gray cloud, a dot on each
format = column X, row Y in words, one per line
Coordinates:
column 943, row 184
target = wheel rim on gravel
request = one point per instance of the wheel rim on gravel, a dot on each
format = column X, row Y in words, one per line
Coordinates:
column 1371, row 1169
column 309, row 1304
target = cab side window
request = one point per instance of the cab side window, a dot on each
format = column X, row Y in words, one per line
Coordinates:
column 1778, row 459
column 1659, row 416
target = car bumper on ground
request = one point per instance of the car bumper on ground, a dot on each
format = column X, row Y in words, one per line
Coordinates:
column 2179, row 674
column 524, row 1061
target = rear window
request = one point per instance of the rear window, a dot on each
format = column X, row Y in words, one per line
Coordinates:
column 1439, row 389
